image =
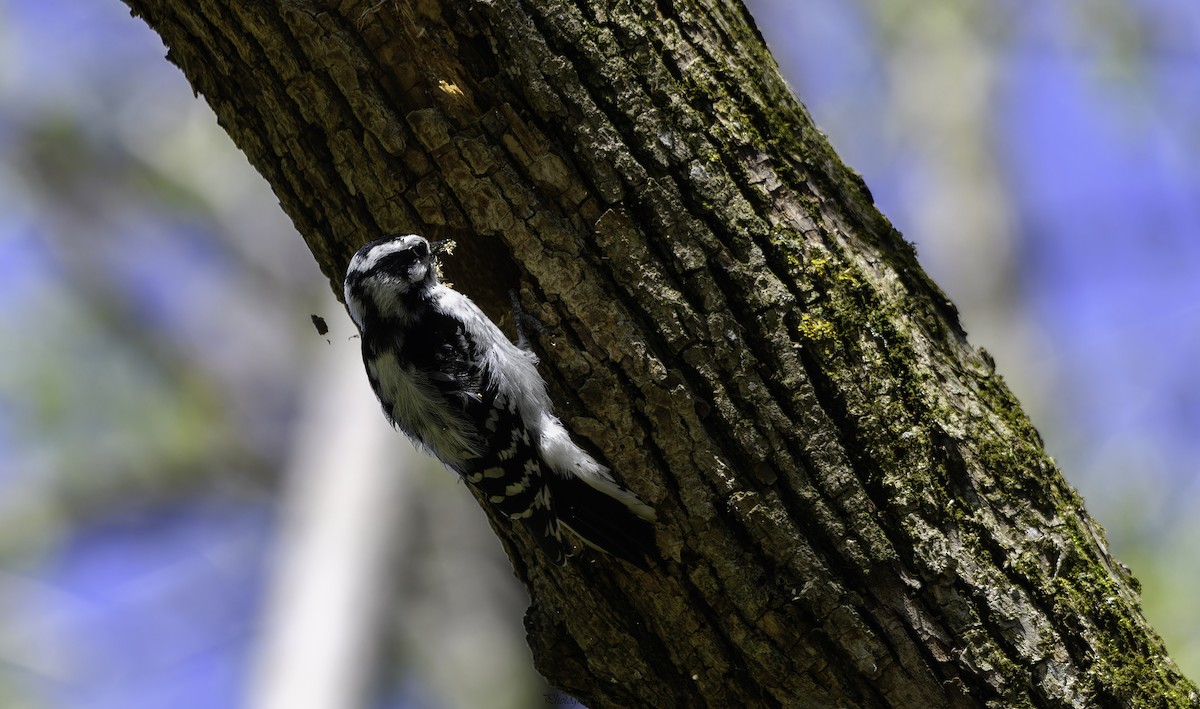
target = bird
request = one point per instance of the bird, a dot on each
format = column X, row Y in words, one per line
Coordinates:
column 449, row 378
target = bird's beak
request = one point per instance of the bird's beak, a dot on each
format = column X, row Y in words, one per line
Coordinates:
column 437, row 247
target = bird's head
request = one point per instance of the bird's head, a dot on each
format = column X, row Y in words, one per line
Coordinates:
column 385, row 273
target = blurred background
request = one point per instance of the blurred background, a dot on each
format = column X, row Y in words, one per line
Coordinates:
column 165, row 398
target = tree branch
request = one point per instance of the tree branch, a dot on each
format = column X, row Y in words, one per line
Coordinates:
column 854, row 509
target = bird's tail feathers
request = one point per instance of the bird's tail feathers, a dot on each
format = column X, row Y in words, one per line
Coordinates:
column 606, row 516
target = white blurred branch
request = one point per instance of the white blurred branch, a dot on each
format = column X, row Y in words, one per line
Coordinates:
column 334, row 571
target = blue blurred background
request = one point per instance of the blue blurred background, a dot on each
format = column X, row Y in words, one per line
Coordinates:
column 155, row 342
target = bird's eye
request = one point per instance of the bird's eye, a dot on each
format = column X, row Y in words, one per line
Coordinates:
column 421, row 249
column 399, row 260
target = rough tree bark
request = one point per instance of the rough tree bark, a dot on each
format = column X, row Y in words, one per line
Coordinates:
column 854, row 509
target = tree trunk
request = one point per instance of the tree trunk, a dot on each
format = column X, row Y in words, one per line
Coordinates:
column 854, row 511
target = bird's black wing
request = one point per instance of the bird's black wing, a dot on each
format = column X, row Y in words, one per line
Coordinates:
column 508, row 469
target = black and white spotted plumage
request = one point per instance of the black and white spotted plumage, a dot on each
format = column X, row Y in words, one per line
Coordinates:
column 451, row 380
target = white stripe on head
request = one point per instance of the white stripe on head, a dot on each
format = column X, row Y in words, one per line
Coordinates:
column 369, row 256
